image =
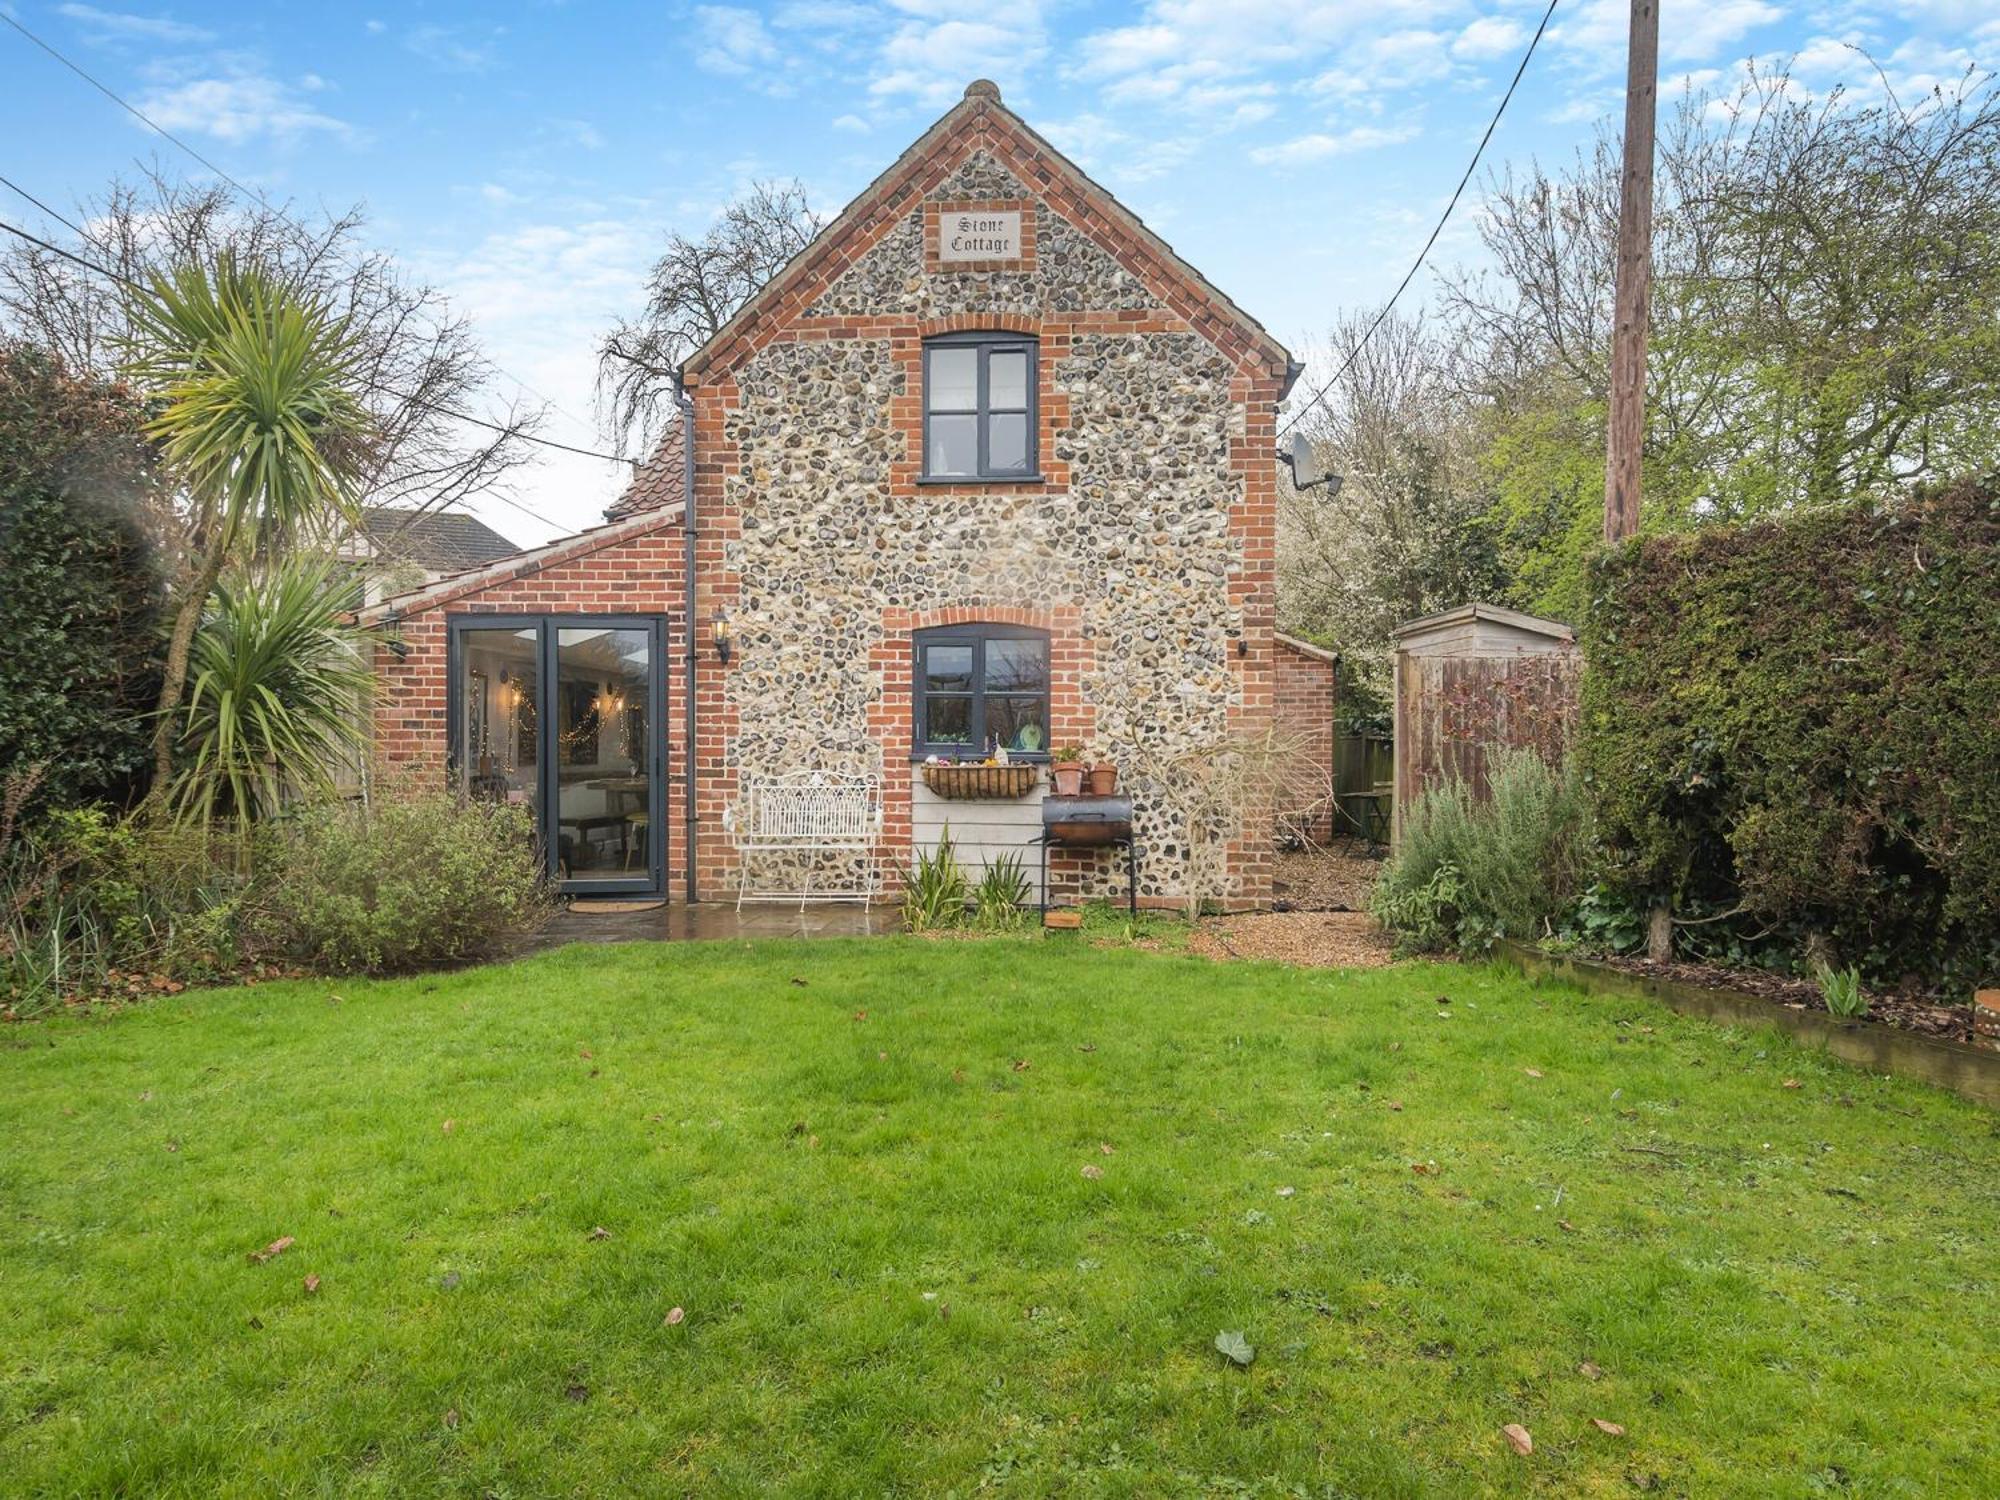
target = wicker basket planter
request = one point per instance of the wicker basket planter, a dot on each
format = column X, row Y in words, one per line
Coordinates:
column 967, row 783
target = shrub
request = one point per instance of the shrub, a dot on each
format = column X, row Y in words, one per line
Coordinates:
column 80, row 589
column 416, row 879
column 1467, row 871
column 935, row 890
column 1794, row 721
column 94, row 905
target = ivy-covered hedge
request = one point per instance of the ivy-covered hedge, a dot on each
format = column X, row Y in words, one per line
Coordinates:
column 80, row 593
column 1801, row 719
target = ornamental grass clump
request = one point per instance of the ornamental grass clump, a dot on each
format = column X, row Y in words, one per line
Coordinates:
column 1002, row 893
column 935, row 889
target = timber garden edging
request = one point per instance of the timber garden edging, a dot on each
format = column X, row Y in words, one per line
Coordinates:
column 1967, row 1071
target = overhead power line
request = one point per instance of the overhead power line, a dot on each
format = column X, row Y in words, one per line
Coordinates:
column 165, row 134
column 1472, row 166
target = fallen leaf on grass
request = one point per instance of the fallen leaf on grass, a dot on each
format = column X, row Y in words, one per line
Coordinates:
column 1395, row 1046
column 451, row 1418
column 277, row 1247
column 1093, row 1171
column 1088, row 1047
column 861, row 1015
column 1532, row 1072
column 1793, row 1083
column 798, row 981
column 1424, row 1168
column 1611, row 1428
column 1235, row 1348
column 1286, row 1192
column 312, row 1285
column 1589, row 1371
column 676, row 1316
column 1107, row 1148
column 944, row 1311
column 585, row 1053
column 1516, row 1434
column 599, row 1233
column 881, row 1057
column 1021, row 1065
column 1396, row 1105
column 1565, row 1224
column 448, row 1124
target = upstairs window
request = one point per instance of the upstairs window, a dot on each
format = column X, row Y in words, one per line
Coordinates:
column 979, row 406
column 981, row 687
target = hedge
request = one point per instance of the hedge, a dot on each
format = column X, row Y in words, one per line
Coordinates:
column 1800, row 720
column 80, row 593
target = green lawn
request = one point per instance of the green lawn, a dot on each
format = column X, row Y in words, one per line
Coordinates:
column 868, row 1171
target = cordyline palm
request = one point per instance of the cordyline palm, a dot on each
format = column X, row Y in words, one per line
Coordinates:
column 258, row 417
column 276, row 681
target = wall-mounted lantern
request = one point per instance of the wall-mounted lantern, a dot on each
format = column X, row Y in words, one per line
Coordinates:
column 725, row 642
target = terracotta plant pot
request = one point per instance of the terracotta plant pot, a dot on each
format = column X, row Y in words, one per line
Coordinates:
column 1067, row 776
column 1103, row 779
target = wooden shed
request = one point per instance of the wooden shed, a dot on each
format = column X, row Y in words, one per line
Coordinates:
column 1473, row 678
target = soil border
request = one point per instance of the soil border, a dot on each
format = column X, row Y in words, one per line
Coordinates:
column 1967, row 1071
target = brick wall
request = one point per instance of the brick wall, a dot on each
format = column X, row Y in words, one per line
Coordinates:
column 1307, row 689
column 630, row 575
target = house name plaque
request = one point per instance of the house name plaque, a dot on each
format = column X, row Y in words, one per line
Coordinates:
column 979, row 235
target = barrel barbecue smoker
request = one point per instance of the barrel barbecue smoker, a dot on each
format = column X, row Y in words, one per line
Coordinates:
column 1086, row 821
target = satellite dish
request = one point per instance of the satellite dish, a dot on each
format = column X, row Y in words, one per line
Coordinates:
column 1298, row 454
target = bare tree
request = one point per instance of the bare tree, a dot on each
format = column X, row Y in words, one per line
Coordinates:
column 417, row 359
column 695, row 287
column 1402, row 538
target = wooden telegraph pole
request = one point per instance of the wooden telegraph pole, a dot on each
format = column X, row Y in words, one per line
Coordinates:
column 1626, row 430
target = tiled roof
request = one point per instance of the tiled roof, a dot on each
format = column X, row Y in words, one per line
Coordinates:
column 435, row 540
column 518, row 565
column 654, row 483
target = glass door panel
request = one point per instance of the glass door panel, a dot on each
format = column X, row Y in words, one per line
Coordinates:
column 604, row 815
column 500, row 715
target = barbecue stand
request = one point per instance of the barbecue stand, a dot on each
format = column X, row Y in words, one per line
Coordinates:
column 1086, row 821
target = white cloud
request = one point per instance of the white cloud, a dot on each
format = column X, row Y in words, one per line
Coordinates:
column 1385, row 64
column 1489, row 37
column 446, row 47
column 242, row 104
column 1321, row 146
column 540, row 297
column 853, row 124
column 945, row 44
column 1690, row 30
column 733, row 40
column 123, row 26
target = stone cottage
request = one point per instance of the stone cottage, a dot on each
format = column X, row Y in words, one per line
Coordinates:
column 986, row 467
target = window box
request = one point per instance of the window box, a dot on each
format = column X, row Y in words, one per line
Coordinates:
column 981, row 783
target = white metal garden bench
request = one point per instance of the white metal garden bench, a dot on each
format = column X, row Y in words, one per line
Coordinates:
column 810, row 815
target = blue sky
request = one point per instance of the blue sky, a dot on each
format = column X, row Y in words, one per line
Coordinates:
column 529, row 159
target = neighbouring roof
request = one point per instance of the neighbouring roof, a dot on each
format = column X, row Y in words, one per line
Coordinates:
column 1467, row 614
column 887, row 198
column 436, row 540
column 563, row 549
